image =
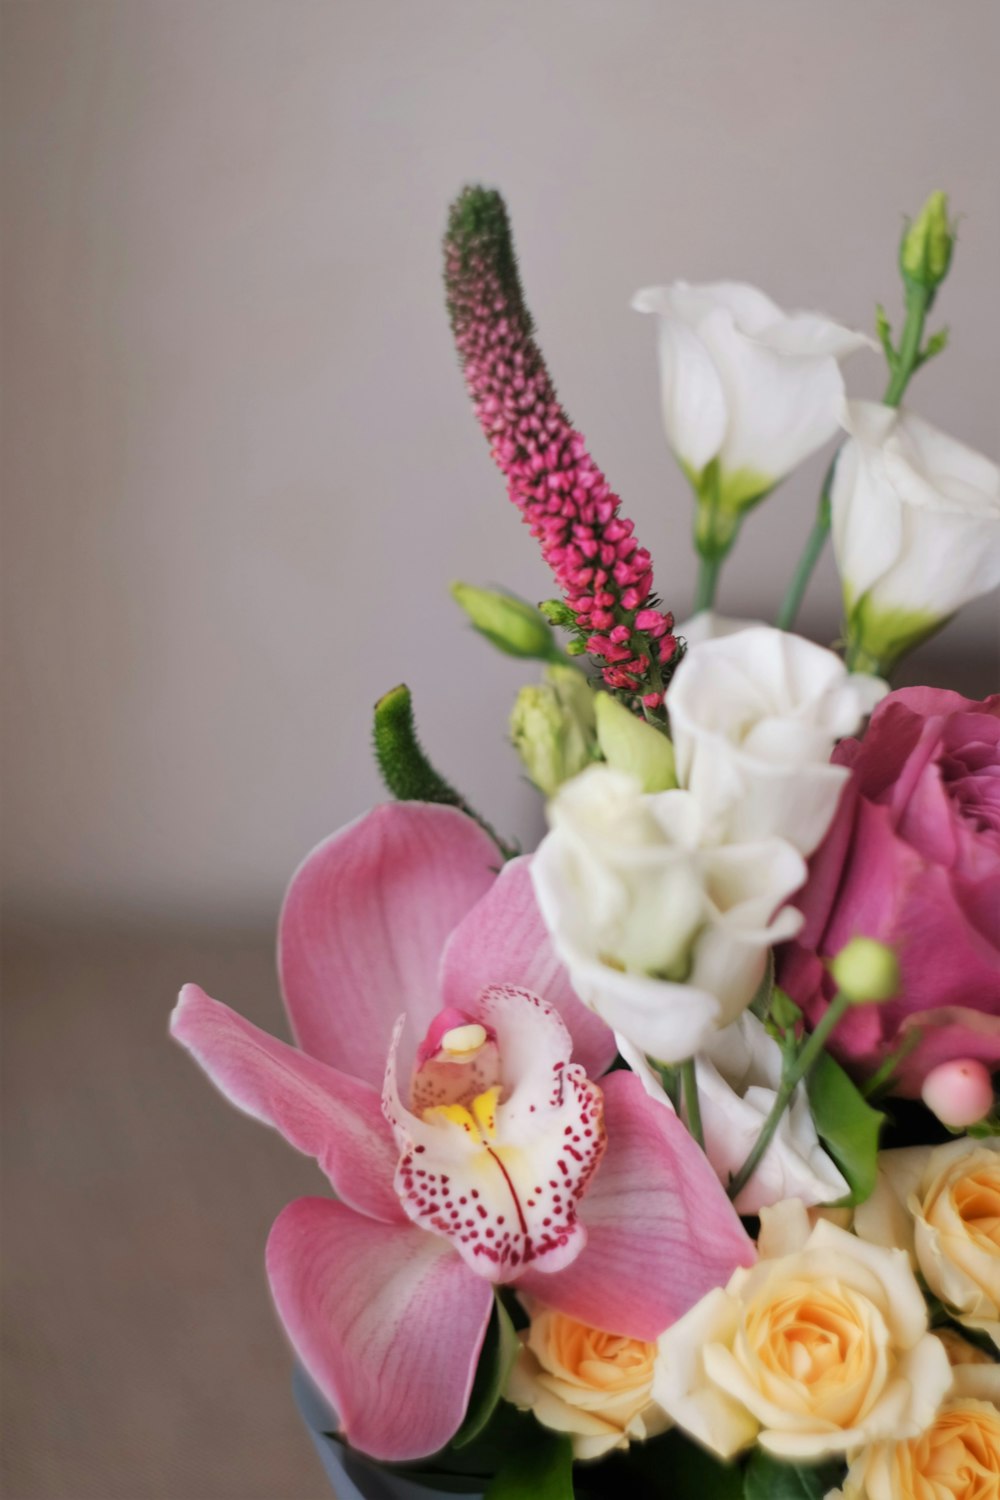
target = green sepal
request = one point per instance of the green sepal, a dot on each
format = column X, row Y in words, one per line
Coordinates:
column 538, row 1469
column 404, row 767
column 847, row 1125
column 495, row 1361
column 766, row 1478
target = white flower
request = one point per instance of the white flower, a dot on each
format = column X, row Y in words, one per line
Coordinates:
column 754, row 716
column 744, row 383
column 664, row 934
column 738, row 1073
column 916, row 528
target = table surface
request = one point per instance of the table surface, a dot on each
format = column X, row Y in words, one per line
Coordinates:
column 142, row 1358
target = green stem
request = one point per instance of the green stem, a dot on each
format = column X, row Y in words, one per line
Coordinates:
column 708, row 580
column 692, row 1106
column 800, row 1068
column 918, row 303
column 815, row 543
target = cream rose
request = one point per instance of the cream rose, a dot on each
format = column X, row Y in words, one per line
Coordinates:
column 943, row 1205
column 592, row 1385
column 820, row 1348
column 957, row 1458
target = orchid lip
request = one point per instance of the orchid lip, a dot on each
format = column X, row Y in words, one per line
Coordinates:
column 501, row 1137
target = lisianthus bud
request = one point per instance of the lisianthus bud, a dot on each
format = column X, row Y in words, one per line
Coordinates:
column 925, row 253
column 509, row 623
column 866, row 971
column 960, row 1092
column 630, row 744
column 553, row 727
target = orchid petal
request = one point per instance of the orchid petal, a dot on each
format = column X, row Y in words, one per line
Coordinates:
column 387, row 1321
column 364, row 923
column 661, row 1232
column 504, row 940
column 326, row 1114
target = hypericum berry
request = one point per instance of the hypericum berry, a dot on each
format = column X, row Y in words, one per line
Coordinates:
column 606, row 577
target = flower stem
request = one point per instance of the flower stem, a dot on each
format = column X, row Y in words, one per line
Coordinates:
column 907, row 360
column 692, row 1106
column 795, row 1071
column 708, row 579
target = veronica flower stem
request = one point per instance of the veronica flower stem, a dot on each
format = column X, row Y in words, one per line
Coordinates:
column 798, row 1068
column 692, row 1106
column 908, row 359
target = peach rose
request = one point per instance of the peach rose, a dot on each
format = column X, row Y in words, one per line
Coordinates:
column 943, row 1205
column 820, row 1348
column 957, row 1458
column 592, row 1385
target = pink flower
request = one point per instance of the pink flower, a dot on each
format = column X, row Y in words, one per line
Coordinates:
column 913, row 859
column 606, row 577
column 404, row 956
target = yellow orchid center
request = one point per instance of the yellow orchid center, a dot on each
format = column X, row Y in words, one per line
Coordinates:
column 478, row 1119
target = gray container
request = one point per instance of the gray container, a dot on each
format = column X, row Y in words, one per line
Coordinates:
column 352, row 1476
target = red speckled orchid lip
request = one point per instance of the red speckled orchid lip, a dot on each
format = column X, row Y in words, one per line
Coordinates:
column 497, row 1156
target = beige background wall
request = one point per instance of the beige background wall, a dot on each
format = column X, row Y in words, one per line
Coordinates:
column 240, row 469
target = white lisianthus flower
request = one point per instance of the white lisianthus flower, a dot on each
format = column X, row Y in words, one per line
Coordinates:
column 738, row 1072
column 820, row 1348
column 665, row 935
column 748, row 391
column 916, row 529
column 754, row 716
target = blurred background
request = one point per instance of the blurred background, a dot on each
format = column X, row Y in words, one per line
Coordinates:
column 239, row 473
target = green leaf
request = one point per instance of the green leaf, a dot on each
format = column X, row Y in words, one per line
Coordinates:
column 499, row 1353
column 847, row 1125
column 768, row 1479
column 784, row 1012
column 668, row 1465
column 539, row 1470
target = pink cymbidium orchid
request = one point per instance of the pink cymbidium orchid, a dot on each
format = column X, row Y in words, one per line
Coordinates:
column 444, row 1083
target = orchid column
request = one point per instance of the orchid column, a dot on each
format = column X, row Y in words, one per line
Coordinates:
column 605, row 576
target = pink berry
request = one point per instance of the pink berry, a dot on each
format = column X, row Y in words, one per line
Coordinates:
column 960, row 1093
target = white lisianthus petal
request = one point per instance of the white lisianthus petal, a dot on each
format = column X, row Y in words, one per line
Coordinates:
column 664, row 935
column 744, row 382
column 915, row 520
column 754, row 716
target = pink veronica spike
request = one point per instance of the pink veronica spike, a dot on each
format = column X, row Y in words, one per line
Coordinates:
column 606, row 577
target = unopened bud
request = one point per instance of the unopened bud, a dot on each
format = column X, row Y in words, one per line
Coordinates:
column 960, row 1093
column 511, row 624
column 925, row 253
column 866, row 971
column 552, row 726
column 629, row 744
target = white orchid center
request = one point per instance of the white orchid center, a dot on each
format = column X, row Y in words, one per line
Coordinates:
column 501, row 1135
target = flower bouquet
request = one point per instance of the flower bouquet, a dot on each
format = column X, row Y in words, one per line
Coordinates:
column 665, row 1159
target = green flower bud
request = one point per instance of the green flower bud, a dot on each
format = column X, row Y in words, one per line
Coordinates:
column 511, row 624
column 552, row 726
column 925, row 253
column 629, row 744
column 866, row 971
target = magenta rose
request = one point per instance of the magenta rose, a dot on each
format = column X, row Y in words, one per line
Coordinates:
column 912, row 858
